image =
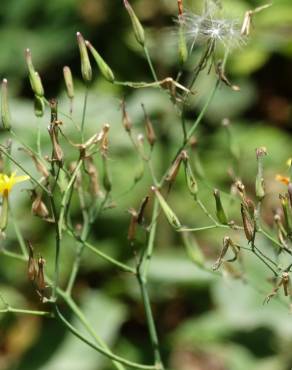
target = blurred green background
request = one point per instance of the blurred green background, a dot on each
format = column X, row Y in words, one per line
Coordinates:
column 204, row 322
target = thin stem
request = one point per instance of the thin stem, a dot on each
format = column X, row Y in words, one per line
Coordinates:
column 4, row 151
column 7, row 253
column 207, row 213
column 24, row 311
column 19, row 236
column 150, row 322
column 84, row 111
column 88, row 327
column 106, row 257
column 100, row 349
column 149, row 61
column 58, row 246
column 149, row 250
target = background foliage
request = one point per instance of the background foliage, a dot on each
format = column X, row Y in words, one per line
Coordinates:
column 204, row 322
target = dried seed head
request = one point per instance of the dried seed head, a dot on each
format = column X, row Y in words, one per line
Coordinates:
column 170, row 215
column 86, row 70
column 40, row 280
column 150, row 133
column 133, row 224
column 38, row 207
column 68, row 82
column 93, row 176
column 31, row 267
column 125, row 117
column 248, row 223
column 5, row 112
column 137, row 27
column 102, row 65
column 173, row 171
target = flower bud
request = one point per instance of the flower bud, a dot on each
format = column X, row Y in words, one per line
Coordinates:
column 107, row 183
column 103, row 67
column 141, row 211
column 150, row 133
column 259, row 186
column 4, row 211
column 189, row 175
column 284, row 202
column 68, row 82
column 5, row 113
column 39, row 106
column 170, row 215
column 34, row 78
column 85, row 62
column 137, row 27
column 220, row 213
column 182, row 45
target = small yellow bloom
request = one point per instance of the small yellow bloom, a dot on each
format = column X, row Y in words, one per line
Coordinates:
column 283, row 179
column 289, row 162
column 7, row 182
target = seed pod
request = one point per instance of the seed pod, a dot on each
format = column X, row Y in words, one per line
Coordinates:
column 5, row 113
column 132, row 225
column 173, row 171
column 137, row 27
column 248, row 223
column 150, row 133
column 170, row 215
column 103, row 67
column 190, row 177
column 68, row 82
column 39, row 106
column 125, row 118
column 31, row 267
column 220, row 213
column 259, row 186
column 107, row 183
column 34, row 77
column 40, row 281
column 86, row 70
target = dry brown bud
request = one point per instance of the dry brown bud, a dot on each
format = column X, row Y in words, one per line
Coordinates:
column 150, row 133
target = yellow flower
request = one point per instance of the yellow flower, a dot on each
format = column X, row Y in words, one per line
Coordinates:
column 283, row 179
column 7, row 182
column 289, row 162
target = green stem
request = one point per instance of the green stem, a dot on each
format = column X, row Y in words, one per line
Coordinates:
column 88, row 327
column 58, row 247
column 24, row 311
column 101, row 349
column 4, row 151
column 84, row 112
column 149, row 61
column 19, row 236
column 106, row 257
column 150, row 322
